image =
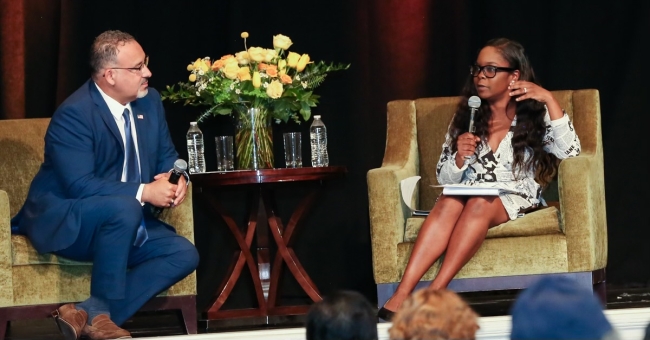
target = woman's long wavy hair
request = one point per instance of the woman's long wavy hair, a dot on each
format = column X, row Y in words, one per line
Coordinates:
column 529, row 132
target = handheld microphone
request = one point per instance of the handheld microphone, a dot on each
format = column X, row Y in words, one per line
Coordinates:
column 180, row 166
column 474, row 103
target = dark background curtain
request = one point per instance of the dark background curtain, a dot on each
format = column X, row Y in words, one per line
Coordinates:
column 399, row 49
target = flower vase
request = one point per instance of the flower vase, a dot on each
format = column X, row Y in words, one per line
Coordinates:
column 254, row 139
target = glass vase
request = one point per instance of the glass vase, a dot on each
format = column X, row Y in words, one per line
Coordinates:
column 254, row 139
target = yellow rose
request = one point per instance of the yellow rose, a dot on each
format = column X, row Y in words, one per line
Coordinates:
column 274, row 90
column 292, row 59
column 270, row 54
column 231, row 70
column 229, row 59
column 256, row 54
column 304, row 60
column 257, row 80
column 242, row 58
column 281, row 41
column 200, row 64
column 244, row 35
column 244, row 74
column 282, row 66
column 192, row 77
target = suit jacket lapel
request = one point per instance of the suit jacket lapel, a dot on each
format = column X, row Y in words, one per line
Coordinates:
column 105, row 113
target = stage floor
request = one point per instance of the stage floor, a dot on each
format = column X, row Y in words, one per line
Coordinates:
column 629, row 303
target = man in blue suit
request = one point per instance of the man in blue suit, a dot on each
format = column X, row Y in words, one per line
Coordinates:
column 107, row 157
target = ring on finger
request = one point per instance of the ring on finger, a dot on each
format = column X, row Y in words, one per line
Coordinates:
column 525, row 90
column 172, row 203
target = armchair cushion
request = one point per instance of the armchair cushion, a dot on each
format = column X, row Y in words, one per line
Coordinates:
column 541, row 222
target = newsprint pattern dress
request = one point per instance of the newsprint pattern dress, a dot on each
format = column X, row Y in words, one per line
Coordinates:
column 494, row 168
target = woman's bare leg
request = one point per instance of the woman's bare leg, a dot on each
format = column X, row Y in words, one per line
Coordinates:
column 480, row 214
column 431, row 242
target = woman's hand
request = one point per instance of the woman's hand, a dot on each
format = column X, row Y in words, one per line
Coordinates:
column 526, row 90
column 466, row 146
column 522, row 90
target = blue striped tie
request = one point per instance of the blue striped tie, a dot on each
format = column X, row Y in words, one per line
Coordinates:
column 133, row 172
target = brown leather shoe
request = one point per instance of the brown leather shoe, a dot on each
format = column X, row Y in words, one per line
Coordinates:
column 102, row 328
column 70, row 321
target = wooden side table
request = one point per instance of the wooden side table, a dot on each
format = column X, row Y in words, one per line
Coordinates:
column 262, row 183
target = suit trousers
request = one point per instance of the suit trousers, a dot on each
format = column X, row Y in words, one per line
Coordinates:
column 125, row 275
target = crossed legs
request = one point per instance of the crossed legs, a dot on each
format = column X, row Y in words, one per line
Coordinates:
column 125, row 277
column 456, row 226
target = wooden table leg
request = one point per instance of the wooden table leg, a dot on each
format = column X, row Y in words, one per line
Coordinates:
column 284, row 237
column 242, row 256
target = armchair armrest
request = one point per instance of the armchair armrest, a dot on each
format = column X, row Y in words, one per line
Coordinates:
column 6, row 274
column 181, row 217
column 387, row 210
column 582, row 211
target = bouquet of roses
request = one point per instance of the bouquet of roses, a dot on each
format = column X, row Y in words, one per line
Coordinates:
column 271, row 79
column 259, row 85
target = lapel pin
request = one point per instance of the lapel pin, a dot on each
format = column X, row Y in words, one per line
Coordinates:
column 140, row 117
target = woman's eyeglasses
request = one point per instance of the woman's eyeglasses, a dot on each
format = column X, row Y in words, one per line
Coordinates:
column 490, row 71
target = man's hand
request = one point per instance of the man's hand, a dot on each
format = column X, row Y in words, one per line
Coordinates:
column 161, row 193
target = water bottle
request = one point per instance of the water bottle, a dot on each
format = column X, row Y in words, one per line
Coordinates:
column 195, row 149
column 318, row 137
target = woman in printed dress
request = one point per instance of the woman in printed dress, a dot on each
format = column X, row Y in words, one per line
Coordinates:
column 521, row 133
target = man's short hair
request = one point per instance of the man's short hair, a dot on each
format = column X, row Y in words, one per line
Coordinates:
column 343, row 315
column 105, row 47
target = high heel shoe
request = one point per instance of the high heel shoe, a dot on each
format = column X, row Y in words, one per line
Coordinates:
column 385, row 314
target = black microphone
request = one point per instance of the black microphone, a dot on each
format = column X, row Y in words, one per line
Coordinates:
column 180, row 166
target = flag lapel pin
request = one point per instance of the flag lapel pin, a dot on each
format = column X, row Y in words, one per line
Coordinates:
column 140, row 117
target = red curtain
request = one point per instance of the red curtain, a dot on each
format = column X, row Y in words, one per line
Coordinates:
column 12, row 59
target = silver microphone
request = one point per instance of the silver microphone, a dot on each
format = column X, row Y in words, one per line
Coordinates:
column 474, row 103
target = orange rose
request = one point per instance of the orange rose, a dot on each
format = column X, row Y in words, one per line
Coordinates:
column 285, row 79
column 262, row 66
column 217, row 65
column 272, row 71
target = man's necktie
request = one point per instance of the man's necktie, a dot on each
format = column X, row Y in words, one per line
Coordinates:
column 133, row 172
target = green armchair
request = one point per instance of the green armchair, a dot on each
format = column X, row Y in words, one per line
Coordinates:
column 569, row 237
column 27, row 278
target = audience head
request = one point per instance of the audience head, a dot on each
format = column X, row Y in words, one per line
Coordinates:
column 344, row 315
column 434, row 314
column 558, row 308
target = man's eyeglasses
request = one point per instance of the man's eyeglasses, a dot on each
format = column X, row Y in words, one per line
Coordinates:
column 490, row 71
column 136, row 69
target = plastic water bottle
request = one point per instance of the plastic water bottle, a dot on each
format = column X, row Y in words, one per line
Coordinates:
column 318, row 137
column 195, row 149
